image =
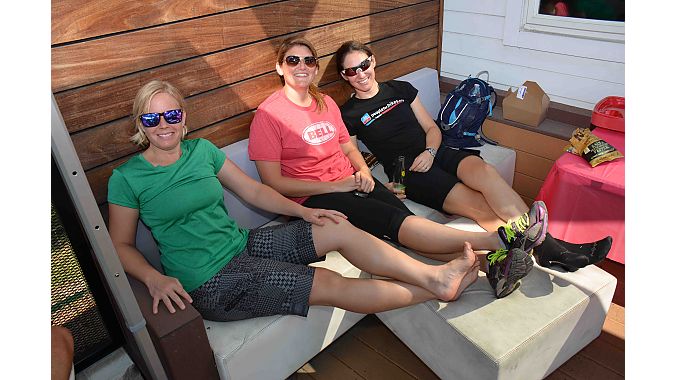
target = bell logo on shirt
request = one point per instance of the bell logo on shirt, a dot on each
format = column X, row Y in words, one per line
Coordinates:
column 319, row 133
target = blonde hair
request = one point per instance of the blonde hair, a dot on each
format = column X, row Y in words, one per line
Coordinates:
column 297, row 41
column 142, row 105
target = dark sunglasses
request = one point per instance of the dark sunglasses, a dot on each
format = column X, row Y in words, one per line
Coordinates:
column 352, row 71
column 150, row 120
column 293, row 60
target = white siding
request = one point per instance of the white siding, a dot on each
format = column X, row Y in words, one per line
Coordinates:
column 473, row 41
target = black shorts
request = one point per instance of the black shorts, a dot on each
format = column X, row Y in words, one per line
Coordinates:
column 432, row 187
column 380, row 214
column 271, row 276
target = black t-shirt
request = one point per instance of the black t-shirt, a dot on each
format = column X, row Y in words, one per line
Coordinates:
column 386, row 123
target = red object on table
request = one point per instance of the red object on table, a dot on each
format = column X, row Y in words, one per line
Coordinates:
column 609, row 113
column 584, row 203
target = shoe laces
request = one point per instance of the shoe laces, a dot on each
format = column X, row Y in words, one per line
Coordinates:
column 510, row 234
column 521, row 223
column 497, row 256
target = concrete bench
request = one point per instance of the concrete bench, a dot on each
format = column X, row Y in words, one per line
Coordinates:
column 525, row 335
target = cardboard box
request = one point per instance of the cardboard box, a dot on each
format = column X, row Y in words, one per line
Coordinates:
column 527, row 105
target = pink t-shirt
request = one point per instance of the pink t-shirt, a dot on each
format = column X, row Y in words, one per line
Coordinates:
column 305, row 143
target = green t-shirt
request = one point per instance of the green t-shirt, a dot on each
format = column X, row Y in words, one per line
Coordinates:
column 182, row 204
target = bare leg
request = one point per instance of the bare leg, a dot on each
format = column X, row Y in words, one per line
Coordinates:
column 372, row 296
column 462, row 200
column 483, row 177
column 364, row 295
column 427, row 236
column 375, row 256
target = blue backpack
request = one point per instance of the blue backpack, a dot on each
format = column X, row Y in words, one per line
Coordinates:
column 464, row 111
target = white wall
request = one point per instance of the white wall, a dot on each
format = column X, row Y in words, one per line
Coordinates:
column 580, row 73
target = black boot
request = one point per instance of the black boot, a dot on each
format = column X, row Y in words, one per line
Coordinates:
column 571, row 256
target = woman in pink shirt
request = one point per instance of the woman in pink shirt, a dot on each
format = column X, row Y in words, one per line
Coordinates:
column 302, row 149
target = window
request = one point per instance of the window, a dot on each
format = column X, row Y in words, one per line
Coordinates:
column 608, row 10
column 594, row 19
column 585, row 28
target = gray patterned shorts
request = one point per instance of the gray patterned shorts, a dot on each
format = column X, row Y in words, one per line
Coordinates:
column 269, row 277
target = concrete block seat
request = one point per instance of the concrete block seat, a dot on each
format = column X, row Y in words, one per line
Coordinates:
column 526, row 335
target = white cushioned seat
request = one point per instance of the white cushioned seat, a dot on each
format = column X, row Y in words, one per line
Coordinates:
column 276, row 346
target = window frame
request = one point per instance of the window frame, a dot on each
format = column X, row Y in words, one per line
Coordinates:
column 525, row 28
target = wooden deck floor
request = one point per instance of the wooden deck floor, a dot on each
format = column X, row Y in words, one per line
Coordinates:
column 370, row 351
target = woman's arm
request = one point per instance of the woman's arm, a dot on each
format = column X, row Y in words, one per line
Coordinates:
column 266, row 198
column 362, row 174
column 123, row 222
column 271, row 175
column 423, row 162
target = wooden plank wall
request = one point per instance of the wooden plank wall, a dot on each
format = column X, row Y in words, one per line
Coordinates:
column 220, row 54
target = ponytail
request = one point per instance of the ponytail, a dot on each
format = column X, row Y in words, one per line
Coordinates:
column 317, row 96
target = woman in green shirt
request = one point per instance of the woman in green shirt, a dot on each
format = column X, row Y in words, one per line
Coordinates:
column 229, row 273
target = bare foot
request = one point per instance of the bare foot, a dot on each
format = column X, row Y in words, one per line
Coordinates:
column 468, row 280
column 452, row 274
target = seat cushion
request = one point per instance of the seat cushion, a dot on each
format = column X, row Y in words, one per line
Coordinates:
column 527, row 335
column 276, row 346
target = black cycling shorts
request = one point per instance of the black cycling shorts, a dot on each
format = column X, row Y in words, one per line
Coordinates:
column 431, row 187
column 380, row 214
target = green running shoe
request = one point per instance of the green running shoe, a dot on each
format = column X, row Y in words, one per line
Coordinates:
column 506, row 268
column 527, row 231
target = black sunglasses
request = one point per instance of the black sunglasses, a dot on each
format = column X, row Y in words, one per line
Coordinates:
column 293, row 60
column 150, row 120
column 352, row 71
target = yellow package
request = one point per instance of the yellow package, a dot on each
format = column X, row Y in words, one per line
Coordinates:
column 593, row 149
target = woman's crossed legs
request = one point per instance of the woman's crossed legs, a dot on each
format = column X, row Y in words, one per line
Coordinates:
column 272, row 276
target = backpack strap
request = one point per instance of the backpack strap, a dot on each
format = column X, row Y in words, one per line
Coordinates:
column 491, row 96
column 490, row 113
column 483, row 72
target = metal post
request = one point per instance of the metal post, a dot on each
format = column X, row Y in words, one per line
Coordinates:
column 76, row 182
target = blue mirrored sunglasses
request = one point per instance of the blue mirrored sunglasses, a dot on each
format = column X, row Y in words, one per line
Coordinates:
column 150, row 120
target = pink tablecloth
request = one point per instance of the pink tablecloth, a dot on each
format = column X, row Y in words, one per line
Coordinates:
column 585, row 203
